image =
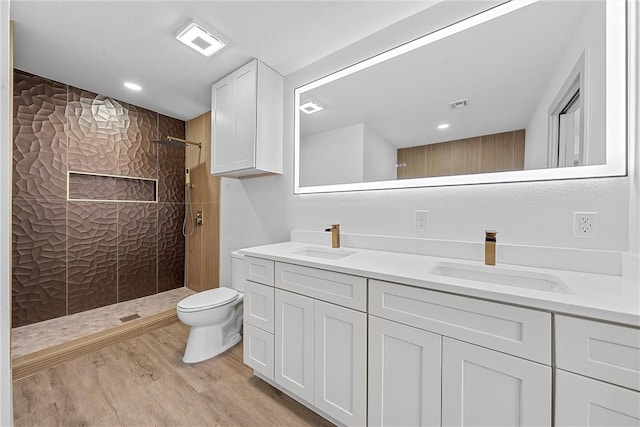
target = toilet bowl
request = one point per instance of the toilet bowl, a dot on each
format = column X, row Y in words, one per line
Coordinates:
column 215, row 316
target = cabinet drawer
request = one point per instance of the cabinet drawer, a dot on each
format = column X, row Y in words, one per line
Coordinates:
column 599, row 350
column 259, row 270
column 582, row 401
column 338, row 288
column 257, row 350
column 513, row 330
column 258, row 306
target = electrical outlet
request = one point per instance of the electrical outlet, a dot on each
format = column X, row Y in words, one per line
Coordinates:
column 585, row 224
column 422, row 220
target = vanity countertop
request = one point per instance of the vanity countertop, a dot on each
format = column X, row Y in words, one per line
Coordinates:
column 597, row 296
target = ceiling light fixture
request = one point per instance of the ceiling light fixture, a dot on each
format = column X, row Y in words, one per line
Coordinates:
column 311, row 107
column 200, row 40
column 443, row 126
column 133, row 86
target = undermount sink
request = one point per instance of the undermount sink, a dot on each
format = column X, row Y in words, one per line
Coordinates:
column 323, row 253
column 502, row 276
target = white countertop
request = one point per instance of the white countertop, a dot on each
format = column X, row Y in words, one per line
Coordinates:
column 598, row 296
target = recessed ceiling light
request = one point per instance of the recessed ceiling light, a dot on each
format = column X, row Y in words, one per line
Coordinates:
column 132, row 86
column 443, row 126
column 311, row 107
column 200, row 40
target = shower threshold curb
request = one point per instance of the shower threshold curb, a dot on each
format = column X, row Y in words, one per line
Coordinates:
column 29, row 364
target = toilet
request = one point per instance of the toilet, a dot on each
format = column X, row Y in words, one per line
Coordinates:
column 215, row 316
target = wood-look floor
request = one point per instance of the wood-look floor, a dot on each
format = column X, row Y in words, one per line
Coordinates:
column 143, row 381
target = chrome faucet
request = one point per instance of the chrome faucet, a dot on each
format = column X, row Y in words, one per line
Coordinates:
column 335, row 235
column 490, row 247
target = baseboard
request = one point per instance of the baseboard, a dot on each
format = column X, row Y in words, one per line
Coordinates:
column 29, row 364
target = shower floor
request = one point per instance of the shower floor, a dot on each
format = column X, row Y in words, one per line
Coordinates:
column 41, row 335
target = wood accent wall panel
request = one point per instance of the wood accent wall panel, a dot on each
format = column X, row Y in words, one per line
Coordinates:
column 488, row 153
column 499, row 152
column 203, row 246
column 465, row 156
column 416, row 162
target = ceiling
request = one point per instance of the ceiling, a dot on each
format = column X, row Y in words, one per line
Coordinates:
column 97, row 45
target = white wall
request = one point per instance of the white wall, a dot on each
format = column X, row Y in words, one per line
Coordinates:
column 634, row 136
column 586, row 34
column 332, row 157
column 264, row 210
column 6, row 407
column 379, row 157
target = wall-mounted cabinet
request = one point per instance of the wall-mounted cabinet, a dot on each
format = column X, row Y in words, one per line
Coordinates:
column 246, row 132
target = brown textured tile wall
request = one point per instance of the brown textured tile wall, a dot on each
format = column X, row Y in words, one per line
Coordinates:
column 137, row 250
column 71, row 256
column 92, row 240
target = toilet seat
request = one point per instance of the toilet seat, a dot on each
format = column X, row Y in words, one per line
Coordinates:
column 208, row 299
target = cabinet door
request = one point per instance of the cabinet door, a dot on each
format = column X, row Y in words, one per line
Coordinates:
column 223, row 124
column 482, row 387
column 258, row 350
column 404, row 375
column 244, row 150
column 341, row 363
column 582, row 401
column 234, row 121
column 258, row 305
column 294, row 344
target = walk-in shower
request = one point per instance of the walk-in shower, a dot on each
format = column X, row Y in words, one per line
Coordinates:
column 189, row 217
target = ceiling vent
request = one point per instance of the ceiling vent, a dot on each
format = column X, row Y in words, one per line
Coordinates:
column 459, row 104
column 200, row 40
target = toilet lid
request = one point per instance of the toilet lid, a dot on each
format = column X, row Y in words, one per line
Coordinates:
column 208, row 299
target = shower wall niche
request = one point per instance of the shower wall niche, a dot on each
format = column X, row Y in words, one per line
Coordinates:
column 97, row 206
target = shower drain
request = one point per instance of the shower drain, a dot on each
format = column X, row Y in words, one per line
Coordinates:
column 129, row 317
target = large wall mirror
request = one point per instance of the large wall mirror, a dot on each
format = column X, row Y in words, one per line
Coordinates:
column 525, row 91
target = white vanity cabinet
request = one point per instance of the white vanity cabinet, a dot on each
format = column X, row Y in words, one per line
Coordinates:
column 321, row 347
column 246, row 129
column 479, row 385
column 362, row 351
column 258, row 316
column 598, row 373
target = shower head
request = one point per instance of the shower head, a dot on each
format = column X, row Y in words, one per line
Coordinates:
column 177, row 142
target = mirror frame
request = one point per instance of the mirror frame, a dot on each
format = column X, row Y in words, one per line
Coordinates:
column 616, row 110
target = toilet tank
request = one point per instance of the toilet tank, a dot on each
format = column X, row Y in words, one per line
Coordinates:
column 237, row 271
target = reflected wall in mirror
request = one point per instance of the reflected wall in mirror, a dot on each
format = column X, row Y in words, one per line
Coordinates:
column 525, row 91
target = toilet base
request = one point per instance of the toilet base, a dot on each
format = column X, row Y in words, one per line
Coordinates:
column 209, row 341
column 206, row 349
